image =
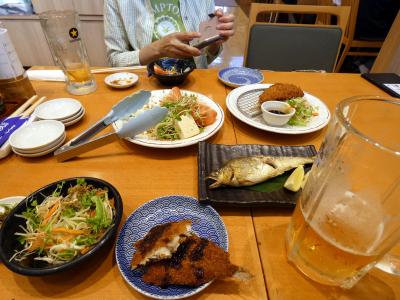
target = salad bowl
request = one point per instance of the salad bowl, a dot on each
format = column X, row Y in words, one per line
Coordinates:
column 9, row 243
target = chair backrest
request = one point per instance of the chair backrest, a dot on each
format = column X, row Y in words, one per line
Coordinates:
column 284, row 47
column 351, row 28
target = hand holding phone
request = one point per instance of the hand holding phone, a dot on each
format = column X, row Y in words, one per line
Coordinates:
column 208, row 42
column 209, row 33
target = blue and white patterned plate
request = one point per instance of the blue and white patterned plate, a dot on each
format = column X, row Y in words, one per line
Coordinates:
column 206, row 223
column 239, row 76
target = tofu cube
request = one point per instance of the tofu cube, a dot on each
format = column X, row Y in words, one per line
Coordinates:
column 186, row 127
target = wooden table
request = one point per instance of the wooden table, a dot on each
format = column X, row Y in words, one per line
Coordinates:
column 141, row 174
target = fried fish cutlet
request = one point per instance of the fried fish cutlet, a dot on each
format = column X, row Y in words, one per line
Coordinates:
column 161, row 242
column 196, row 262
column 281, row 92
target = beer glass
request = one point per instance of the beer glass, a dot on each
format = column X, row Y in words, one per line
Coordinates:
column 63, row 33
column 348, row 215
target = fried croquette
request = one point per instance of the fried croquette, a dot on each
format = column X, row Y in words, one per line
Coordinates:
column 196, row 262
column 160, row 242
column 281, row 92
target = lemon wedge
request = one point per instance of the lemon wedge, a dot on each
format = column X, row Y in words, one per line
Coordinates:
column 293, row 183
column 303, row 183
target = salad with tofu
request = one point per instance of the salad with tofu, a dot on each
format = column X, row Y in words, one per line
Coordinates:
column 187, row 117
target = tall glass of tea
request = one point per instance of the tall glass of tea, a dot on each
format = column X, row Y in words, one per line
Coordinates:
column 64, row 35
column 348, row 216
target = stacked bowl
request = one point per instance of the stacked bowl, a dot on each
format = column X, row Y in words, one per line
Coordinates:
column 38, row 138
column 66, row 110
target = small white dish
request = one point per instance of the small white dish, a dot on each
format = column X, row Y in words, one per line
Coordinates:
column 41, row 153
column 58, row 109
column 9, row 202
column 77, row 119
column 277, row 113
column 77, row 115
column 121, row 80
column 37, row 135
column 42, row 149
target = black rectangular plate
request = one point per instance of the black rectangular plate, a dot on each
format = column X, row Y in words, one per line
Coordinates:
column 213, row 156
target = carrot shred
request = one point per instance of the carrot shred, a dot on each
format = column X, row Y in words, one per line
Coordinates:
column 67, row 231
column 50, row 213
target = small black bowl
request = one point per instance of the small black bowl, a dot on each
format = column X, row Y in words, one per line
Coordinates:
column 9, row 243
column 183, row 67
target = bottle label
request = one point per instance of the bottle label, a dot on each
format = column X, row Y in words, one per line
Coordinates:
column 10, row 65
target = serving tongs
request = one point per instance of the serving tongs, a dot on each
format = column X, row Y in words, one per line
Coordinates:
column 140, row 123
column 122, row 109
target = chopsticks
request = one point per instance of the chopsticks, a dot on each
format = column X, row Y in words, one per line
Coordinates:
column 24, row 106
column 30, row 110
column 111, row 70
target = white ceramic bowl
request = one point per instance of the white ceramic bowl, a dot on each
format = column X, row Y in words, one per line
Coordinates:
column 275, row 119
column 121, row 80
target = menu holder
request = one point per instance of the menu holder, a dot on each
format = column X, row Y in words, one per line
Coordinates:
column 213, row 156
column 389, row 82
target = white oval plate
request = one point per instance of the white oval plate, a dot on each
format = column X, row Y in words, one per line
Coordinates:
column 208, row 131
column 58, row 109
column 121, row 80
column 316, row 123
column 37, row 134
column 41, row 153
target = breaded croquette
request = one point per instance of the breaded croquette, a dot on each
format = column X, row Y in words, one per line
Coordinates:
column 281, row 92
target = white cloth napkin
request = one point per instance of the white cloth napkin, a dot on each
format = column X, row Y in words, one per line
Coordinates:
column 46, row 75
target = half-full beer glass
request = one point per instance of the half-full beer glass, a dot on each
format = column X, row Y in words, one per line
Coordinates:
column 63, row 33
column 348, row 216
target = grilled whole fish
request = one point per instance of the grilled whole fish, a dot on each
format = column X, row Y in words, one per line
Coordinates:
column 246, row 171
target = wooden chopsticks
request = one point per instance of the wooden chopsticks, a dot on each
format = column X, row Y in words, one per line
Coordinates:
column 28, row 107
column 111, row 70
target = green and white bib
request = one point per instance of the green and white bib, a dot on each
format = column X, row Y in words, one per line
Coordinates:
column 167, row 18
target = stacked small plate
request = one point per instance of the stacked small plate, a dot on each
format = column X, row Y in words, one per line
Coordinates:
column 38, row 138
column 66, row 110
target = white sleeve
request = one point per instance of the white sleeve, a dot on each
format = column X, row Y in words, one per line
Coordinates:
column 119, row 50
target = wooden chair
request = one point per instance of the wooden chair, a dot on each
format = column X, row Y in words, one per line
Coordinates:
column 388, row 59
column 341, row 14
column 349, row 42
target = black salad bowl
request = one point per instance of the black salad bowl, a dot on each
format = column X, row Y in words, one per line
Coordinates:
column 9, row 243
column 183, row 68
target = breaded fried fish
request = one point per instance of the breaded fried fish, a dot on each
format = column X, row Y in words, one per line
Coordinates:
column 281, row 92
column 246, row 171
column 161, row 242
column 196, row 262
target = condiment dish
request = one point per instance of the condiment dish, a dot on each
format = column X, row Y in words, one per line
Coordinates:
column 277, row 113
column 121, row 80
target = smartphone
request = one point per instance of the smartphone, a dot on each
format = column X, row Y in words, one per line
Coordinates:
column 208, row 42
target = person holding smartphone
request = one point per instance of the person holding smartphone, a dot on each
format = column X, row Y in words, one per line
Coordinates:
column 138, row 32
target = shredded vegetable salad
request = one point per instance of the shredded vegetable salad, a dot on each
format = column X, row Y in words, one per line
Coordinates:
column 185, row 104
column 178, row 104
column 304, row 111
column 64, row 227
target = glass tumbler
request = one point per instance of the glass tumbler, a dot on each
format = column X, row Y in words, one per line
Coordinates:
column 63, row 33
column 348, row 216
